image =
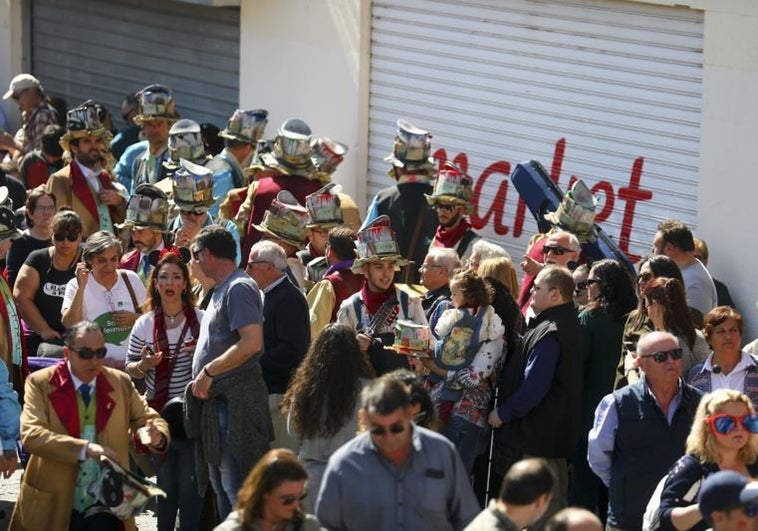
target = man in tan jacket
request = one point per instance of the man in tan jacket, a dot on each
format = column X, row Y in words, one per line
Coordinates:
column 75, row 412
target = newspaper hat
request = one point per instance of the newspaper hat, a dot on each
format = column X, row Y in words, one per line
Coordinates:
column 156, row 102
column 412, row 148
column 452, row 186
column 324, row 207
column 8, row 228
column 327, row 154
column 122, row 493
column 576, row 212
column 285, row 220
column 147, row 209
column 20, row 83
column 410, row 338
column 82, row 121
column 193, row 187
column 185, row 141
column 291, row 152
column 377, row 243
column 246, row 126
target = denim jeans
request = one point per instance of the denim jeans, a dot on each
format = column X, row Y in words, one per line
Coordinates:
column 225, row 477
column 176, row 476
column 465, row 436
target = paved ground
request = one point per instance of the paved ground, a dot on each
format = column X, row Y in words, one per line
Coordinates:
column 9, row 492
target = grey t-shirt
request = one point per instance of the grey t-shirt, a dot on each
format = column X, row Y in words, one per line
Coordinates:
column 701, row 292
column 235, row 303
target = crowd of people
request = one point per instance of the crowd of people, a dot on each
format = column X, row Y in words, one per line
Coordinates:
column 224, row 319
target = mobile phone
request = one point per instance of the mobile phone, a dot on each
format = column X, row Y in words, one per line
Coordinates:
column 630, row 346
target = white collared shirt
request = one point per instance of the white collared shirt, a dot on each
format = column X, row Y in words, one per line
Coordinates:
column 274, row 284
column 90, row 175
column 735, row 379
column 77, row 383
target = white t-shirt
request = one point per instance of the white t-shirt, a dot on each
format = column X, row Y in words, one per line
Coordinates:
column 100, row 303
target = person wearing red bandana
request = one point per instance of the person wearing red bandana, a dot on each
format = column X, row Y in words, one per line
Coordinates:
column 147, row 222
column 84, row 185
column 451, row 201
column 374, row 310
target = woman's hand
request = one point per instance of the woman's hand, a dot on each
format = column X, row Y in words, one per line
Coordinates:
column 123, row 318
column 49, row 334
column 82, row 274
column 149, row 360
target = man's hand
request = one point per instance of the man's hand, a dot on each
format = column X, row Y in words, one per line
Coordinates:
column 94, row 451
column 110, row 197
column 530, row 266
column 8, row 463
column 157, row 440
column 364, row 342
column 494, row 419
column 201, row 385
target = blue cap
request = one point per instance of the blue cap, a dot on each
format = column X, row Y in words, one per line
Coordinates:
column 725, row 489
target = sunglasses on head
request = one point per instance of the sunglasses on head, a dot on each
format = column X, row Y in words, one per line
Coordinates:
column 59, row 237
column 87, row 353
column 556, row 249
column 381, row 430
column 661, row 357
column 724, row 424
column 289, row 500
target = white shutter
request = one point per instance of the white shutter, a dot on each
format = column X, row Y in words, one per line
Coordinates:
column 506, row 80
column 83, row 49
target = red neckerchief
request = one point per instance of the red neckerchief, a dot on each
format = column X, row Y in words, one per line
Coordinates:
column 81, row 189
column 160, row 341
column 374, row 300
column 448, row 238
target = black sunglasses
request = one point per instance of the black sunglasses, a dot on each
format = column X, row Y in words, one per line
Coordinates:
column 556, row 249
column 581, row 286
column 191, row 213
column 661, row 357
column 591, row 281
column 446, row 208
column 644, row 277
column 59, row 237
column 87, row 353
column 289, row 500
column 196, row 253
column 381, row 430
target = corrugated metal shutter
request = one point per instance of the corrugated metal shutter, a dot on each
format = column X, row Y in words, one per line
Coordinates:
column 607, row 91
column 103, row 50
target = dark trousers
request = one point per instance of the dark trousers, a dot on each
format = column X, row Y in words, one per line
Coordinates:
column 96, row 522
column 176, row 476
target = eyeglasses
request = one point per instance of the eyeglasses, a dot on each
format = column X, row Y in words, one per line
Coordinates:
column 446, row 208
column 87, row 353
column 196, row 254
column 251, row 263
column 661, row 357
column 427, row 266
column 396, row 428
column 59, row 237
column 289, row 499
column 644, row 277
column 40, row 208
column 724, row 424
column 190, row 213
column 556, row 249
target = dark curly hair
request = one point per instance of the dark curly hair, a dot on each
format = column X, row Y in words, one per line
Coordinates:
column 473, row 288
column 324, row 390
column 153, row 297
column 617, row 295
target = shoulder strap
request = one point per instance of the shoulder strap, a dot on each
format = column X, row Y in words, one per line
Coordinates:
column 404, row 303
column 131, row 292
column 468, row 237
column 414, row 242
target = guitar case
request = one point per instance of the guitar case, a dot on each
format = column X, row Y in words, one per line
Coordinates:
column 542, row 196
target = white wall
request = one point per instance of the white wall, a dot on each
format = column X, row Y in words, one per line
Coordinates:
column 309, row 59
column 11, row 55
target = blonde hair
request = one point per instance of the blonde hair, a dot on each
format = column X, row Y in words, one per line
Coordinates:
column 702, row 442
column 501, row 269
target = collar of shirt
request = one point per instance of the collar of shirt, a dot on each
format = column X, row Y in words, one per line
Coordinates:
column 160, row 247
column 674, row 401
column 88, row 173
column 742, row 365
column 274, row 284
column 78, row 382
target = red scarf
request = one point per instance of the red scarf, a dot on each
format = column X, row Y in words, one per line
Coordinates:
column 160, row 341
column 374, row 300
column 448, row 238
column 81, row 189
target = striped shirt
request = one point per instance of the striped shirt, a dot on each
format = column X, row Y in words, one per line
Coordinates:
column 142, row 334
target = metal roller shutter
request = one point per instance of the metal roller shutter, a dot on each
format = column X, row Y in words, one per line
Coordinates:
column 604, row 90
column 103, row 50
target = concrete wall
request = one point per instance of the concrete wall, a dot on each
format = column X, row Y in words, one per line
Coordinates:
column 309, row 59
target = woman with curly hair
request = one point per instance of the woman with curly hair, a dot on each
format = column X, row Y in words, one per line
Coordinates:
column 666, row 306
column 724, row 436
column 271, row 497
column 322, row 400
column 611, row 298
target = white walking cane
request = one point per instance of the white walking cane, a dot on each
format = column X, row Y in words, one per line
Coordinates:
column 489, row 464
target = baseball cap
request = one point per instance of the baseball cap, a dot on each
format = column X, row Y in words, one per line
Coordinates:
column 19, row 83
column 725, row 489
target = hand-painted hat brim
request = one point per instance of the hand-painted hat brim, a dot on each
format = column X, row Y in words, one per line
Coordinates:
column 285, row 239
column 399, row 261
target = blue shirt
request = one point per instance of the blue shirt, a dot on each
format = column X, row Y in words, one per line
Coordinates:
column 363, row 491
column 602, row 437
column 10, row 412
